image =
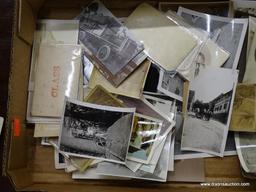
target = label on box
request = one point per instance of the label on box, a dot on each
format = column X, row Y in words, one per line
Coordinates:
column 16, row 127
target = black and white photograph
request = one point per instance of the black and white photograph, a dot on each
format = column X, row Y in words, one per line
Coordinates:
column 96, row 131
column 171, row 85
column 246, row 150
column 146, row 108
column 230, row 147
column 59, row 160
column 243, row 8
column 108, row 42
column 145, row 134
column 220, row 29
column 160, row 173
column 164, row 103
column 210, row 101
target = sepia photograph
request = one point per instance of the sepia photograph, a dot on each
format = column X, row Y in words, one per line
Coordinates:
column 220, row 29
column 145, row 134
column 210, row 101
column 107, row 41
column 160, row 172
column 246, row 150
column 96, row 131
column 171, row 85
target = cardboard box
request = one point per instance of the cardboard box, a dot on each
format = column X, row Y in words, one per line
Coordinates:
column 30, row 166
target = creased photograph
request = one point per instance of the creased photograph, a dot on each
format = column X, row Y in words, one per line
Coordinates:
column 96, row 131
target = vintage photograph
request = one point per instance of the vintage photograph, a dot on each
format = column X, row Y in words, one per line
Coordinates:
column 210, row 101
column 160, row 173
column 145, row 134
column 146, row 108
column 220, row 29
column 164, row 103
column 59, row 160
column 96, row 131
column 107, row 41
column 230, row 147
column 171, row 85
column 246, row 150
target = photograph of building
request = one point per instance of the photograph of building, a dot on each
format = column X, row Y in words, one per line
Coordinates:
column 171, row 84
column 210, row 99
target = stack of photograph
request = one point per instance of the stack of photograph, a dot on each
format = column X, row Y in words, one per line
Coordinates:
column 147, row 96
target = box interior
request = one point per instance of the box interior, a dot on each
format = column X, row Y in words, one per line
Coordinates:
column 29, row 165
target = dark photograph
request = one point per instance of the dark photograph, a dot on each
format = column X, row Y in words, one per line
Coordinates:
column 96, row 131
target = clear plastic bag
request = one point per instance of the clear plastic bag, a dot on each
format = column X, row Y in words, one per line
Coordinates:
column 207, row 52
column 246, row 150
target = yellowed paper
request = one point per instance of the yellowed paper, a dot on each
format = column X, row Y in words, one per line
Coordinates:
column 47, row 130
column 244, row 109
column 165, row 42
column 57, row 76
column 132, row 86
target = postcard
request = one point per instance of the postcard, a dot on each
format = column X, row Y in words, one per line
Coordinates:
column 84, row 134
column 210, row 101
column 156, row 32
column 243, row 115
column 108, row 43
column 246, row 149
column 171, row 85
column 132, row 86
column 48, row 31
column 220, row 29
column 118, row 170
column 55, row 64
column 145, row 134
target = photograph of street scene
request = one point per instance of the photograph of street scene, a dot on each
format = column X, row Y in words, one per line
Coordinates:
column 96, row 131
column 210, row 99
